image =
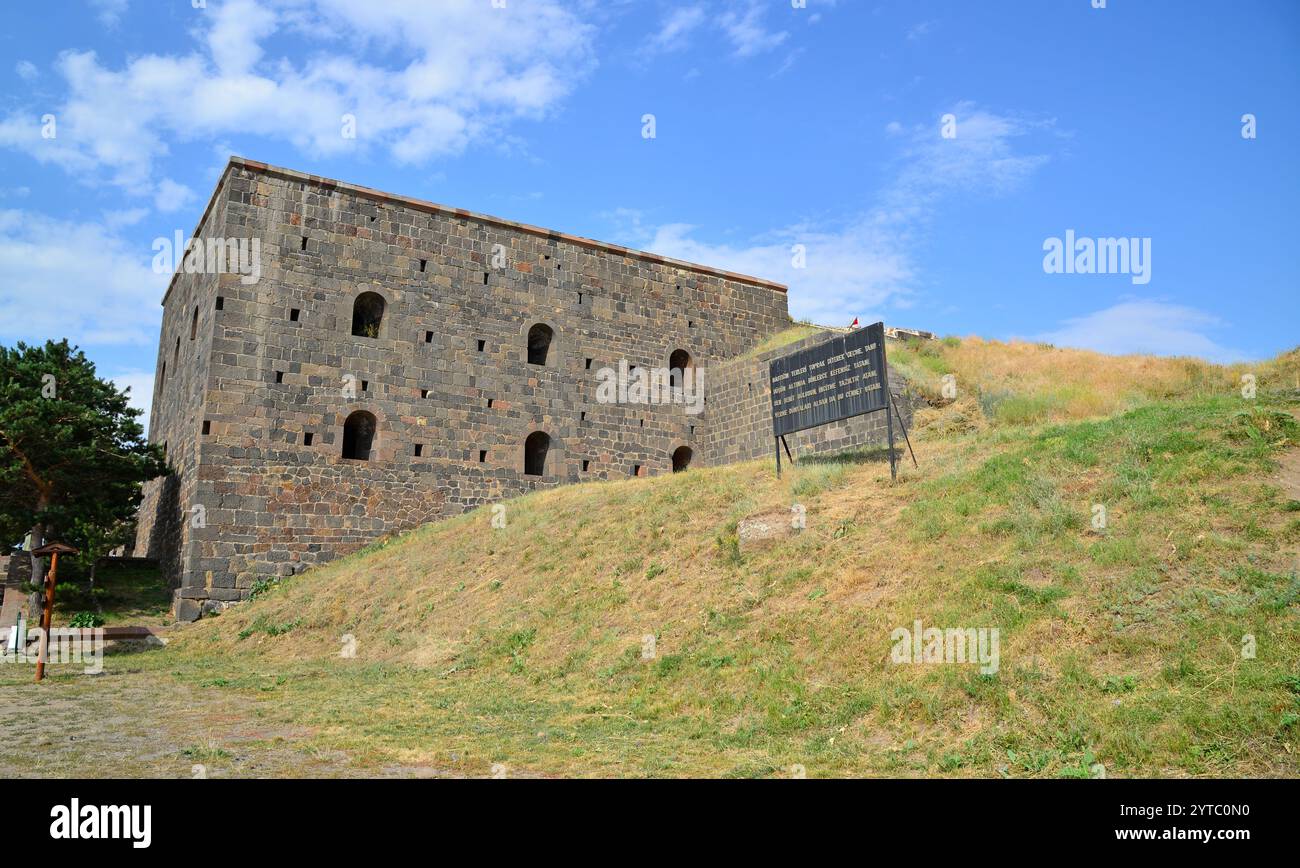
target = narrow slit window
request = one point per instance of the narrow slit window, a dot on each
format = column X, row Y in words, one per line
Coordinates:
column 482, row 345
column 207, row 427
column 294, row 313
column 586, row 465
column 304, row 242
column 221, row 303
column 482, row 456
column 307, row 438
column 419, row 450
column 279, row 376
column 428, row 337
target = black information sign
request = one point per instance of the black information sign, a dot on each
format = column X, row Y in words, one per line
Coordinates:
column 841, row 378
column 835, row 380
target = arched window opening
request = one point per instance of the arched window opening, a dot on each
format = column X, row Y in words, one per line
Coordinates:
column 194, row 324
column 535, row 449
column 682, row 458
column 358, row 435
column 367, row 314
column 678, row 362
column 539, row 343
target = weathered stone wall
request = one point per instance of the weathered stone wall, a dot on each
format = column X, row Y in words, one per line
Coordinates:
column 447, row 372
column 164, row 525
column 256, row 380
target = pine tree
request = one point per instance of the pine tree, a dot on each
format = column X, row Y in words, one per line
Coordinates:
column 72, row 455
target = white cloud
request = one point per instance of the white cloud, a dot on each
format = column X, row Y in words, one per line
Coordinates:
column 1145, row 326
column 451, row 73
column 141, row 394
column 26, row 70
column 741, row 23
column 747, row 33
column 789, row 61
column 868, row 262
column 982, row 157
column 679, row 24
column 75, row 280
column 115, row 220
column 172, row 196
column 919, row 30
column 848, row 270
column 235, row 35
column 110, row 11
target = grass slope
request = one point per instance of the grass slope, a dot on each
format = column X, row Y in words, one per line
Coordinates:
column 522, row 646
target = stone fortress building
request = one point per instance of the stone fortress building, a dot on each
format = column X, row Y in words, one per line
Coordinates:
column 392, row 361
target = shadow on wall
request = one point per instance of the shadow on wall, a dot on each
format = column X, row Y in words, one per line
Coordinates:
column 165, row 541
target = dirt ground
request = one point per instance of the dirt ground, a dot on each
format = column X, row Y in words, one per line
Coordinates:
column 77, row 725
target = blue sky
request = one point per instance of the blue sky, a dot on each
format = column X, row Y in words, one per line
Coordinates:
column 774, row 126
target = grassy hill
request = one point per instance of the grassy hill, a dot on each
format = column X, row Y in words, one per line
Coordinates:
column 1120, row 646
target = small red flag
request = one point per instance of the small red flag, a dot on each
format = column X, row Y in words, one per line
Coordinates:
column 855, row 323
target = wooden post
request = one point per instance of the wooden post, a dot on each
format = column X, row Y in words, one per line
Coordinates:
column 46, row 615
column 53, row 550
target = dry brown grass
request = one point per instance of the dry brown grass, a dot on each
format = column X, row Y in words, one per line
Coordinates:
column 1019, row 383
column 522, row 645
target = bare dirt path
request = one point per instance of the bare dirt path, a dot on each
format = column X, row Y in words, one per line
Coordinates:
column 129, row 724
